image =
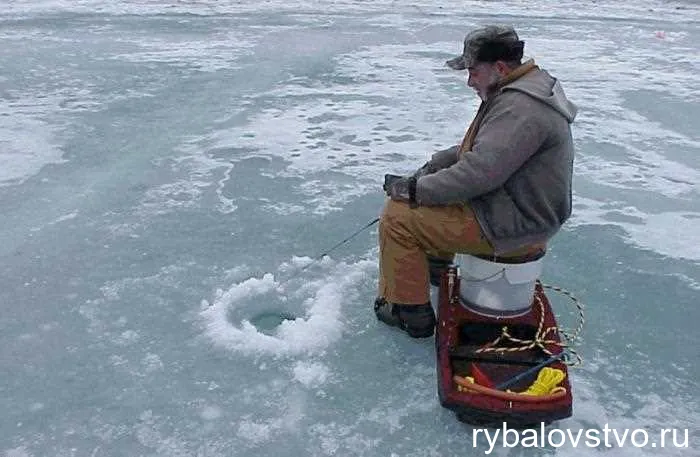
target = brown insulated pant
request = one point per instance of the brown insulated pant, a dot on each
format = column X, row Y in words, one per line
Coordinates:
column 407, row 234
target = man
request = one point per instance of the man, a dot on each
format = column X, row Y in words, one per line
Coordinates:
column 501, row 194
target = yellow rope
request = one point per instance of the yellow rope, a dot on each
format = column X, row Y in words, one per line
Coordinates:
column 540, row 340
column 547, row 382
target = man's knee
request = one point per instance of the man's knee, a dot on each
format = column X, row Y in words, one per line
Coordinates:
column 394, row 212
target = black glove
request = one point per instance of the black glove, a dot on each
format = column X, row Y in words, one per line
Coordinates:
column 401, row 188
column 388, row 181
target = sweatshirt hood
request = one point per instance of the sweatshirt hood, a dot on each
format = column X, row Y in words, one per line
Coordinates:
column 542, row 86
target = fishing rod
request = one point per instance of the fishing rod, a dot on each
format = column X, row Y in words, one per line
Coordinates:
column 337, row 245
column 325, row 253
column 388, row 180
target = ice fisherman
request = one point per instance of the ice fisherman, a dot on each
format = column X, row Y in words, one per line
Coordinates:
column 501, row 194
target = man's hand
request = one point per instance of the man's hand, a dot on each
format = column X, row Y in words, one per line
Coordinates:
column 401, row 188
column 388, row 181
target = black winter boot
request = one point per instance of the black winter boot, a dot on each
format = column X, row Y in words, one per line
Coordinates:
column 417, row 320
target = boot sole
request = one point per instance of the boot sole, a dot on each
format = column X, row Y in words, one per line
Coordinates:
column 413, row 332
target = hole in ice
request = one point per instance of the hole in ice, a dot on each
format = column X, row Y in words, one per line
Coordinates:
column 268, row 321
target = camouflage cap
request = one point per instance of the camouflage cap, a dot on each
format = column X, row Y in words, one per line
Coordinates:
column 489, row 44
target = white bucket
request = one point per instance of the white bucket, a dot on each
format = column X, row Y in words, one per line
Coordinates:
column 497, row 289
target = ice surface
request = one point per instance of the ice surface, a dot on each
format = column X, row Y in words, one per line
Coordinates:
column 171, row 171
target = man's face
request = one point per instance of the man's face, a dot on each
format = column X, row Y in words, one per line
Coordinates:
column 481, row 77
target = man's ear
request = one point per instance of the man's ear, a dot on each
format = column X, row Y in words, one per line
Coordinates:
column 502, row 68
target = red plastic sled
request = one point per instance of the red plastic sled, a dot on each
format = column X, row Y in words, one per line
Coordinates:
column 468, row 346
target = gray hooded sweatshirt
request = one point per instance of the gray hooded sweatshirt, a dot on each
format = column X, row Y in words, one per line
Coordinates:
column 517, row 175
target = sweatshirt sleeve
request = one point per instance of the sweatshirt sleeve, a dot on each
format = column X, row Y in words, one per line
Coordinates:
column 510, row 133
column 445, row 158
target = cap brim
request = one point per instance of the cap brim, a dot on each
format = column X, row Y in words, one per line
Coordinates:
column 458, row 63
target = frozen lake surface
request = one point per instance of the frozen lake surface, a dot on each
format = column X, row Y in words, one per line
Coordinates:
column 166, row 167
